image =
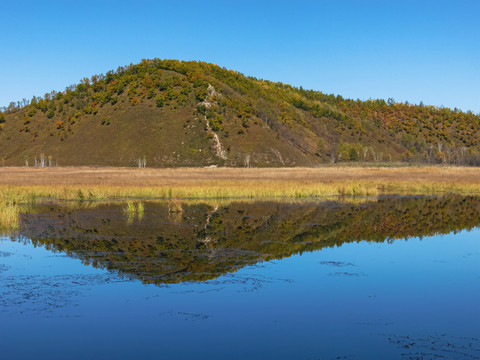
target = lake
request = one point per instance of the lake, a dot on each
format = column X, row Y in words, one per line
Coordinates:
column 380, row 278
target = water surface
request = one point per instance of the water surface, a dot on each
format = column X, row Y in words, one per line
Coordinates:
column 394, row 278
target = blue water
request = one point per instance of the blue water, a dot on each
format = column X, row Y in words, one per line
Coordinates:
column 410, row 299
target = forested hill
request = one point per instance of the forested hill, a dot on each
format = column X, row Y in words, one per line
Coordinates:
column 173, row 113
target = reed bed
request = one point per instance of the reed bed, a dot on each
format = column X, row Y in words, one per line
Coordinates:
column 213, row 190
column 8, row 216
column 232, row 189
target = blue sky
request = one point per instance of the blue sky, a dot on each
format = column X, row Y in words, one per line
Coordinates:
column 409, row 50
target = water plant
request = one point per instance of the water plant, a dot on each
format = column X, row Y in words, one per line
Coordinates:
column 140, row 211
column 132, row 210
column 9, row 211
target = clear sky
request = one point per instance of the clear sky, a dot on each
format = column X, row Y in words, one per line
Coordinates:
column 410, row 50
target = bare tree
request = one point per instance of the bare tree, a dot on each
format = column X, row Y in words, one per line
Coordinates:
column 247, row 161
column 439, row 146
column 42, row 160
column 333, row 157
column 142, row 162
column 379, row 157
column 463, row 151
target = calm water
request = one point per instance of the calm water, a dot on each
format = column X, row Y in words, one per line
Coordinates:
column 391, row 279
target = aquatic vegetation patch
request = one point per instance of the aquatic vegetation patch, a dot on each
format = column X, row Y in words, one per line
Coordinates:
column 9, row 211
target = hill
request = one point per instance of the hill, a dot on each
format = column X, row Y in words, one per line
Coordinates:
column 168, row 113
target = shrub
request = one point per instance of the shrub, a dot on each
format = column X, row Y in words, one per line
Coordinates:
column 160, row 99
column 31, row 111
column 151, row 92
column 135, row 101
column 200, row 93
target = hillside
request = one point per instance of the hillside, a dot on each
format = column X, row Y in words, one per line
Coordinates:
column 168, row 113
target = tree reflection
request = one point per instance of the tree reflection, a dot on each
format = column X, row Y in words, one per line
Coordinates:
column 199, row 241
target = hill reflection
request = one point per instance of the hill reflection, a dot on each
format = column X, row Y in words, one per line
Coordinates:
column 170, row 242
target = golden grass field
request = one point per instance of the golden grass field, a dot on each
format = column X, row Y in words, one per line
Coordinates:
column 239, row 182
column 21, row 185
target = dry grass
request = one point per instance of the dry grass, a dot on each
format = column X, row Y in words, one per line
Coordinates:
column 83, row 183
column 83, row 176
